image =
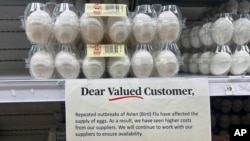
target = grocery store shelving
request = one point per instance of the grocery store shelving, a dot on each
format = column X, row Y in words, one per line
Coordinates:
column 31, row 91
column 240, row 85
column 54, row 90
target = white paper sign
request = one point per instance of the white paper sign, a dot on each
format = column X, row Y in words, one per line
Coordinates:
column 154, row 109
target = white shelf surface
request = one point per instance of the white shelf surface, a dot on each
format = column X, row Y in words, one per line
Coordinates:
column 31, row 91
column 240, row 86
column 12, row 91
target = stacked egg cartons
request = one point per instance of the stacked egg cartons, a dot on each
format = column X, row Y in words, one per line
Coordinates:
column 55, row 42
column 155, row 35
column 218, row 46
column 38, row 26
column 108, row 34
column 54, row 38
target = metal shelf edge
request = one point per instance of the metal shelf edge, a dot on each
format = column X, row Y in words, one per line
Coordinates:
column 13, row 91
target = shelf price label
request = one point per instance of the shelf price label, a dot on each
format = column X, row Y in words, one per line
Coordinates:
column 229, row 89
column 105, row 50
column 137, row 109
column 117, row 10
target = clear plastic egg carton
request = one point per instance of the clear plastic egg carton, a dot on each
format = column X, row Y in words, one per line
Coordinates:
column 105, row 32
column 53, row 61
column 156, row 29
column 149, row 40
column 57, row 25
column 219, row 45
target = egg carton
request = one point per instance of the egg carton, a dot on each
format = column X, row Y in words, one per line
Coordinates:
column 58, row 61
column 147, row 29
column 221, row 45
column 64, row 23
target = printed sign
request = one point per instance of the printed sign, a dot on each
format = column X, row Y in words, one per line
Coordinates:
column 153, row 109
column 119, row 10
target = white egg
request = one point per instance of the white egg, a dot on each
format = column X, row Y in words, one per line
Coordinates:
column 166, row 63
column 237, row 105
column 118, row 29
column 118, row 67
column 192, row 63
column 91, row 29
column 244, row 7
column 241, row 31
column 244, row 120
column 216, row 103
column 194, row 37
column 142, row 63
column 235, row 120
column 203, row 62
column 246, row 106
column 184, row 67
column 225, row 106
column 222, row 31
column 38, row 27
column 240, row 63
column 232, row 6
column 185, row 40
column 168, row 27
column 93, row 67
column 42, row 65
column 224, row 121
column 66, row 27
column 144, row 28
column 220, row 63
column 205, row 34
column 67, row 65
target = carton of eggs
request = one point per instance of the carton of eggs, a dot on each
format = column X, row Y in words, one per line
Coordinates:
column 237, row 105
column 168, row 27
column 118, row 67
column 67, row 65
column 38, row 27
column 185, row 40
column 142, row 63
column 166, row 63
column 186, row 56
column 192, row 63
column 222, row 30
column 224, row 121
column 93, row 67
column 91, row 29
column 226, row 106
column 205, row 34
column 118, row 29
column 240, row 62
column 42, row 65
column 204, row 62
column 66, row 27
column 144, row 28
column 241, row 31
column 194, row 37
column 220, row 63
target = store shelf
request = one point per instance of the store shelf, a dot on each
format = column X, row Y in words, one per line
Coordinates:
column 53, row 90
column 31, row 91
column 184, row 2
column 240, row 86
